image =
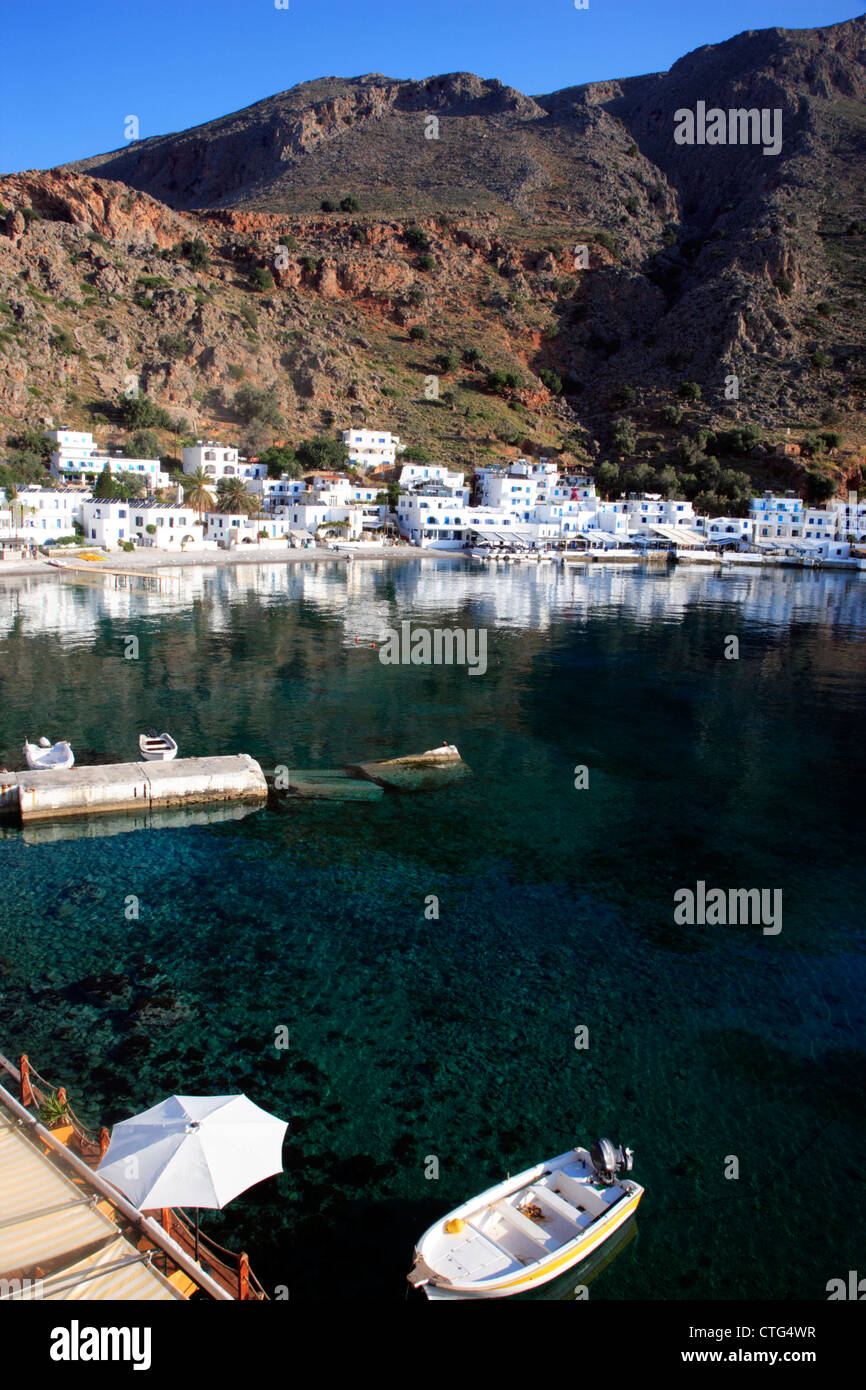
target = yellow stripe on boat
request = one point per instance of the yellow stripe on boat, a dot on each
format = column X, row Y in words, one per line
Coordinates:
column 570, row 1257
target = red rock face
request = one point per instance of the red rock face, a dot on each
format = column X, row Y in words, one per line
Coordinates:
column 698, row 266
column 110, row 209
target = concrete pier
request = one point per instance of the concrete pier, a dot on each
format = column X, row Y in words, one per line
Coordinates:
column 86, row 791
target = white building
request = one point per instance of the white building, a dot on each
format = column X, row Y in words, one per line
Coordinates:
column 39, row 514
column 724, row 530
column 420, row 475
column 235, row 528
column 520, row 486
column 79, row 458
column 164, row 525
column 276, row 492
column 849, row 518
column 649, row 509
column 440, row 519
column 219, row 461
column 372, row 448
column 776, row 518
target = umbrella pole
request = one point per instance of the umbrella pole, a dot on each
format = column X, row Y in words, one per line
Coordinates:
column 196, row 1235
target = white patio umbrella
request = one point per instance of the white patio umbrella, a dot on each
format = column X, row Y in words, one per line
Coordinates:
column 193, row 1151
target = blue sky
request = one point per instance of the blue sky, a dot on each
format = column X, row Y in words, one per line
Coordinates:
column 75, row 69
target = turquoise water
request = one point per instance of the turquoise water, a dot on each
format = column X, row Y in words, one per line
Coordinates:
column 454, row 1038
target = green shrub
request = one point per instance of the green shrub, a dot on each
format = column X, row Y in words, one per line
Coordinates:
column 426, row 263
column 174, row 344
column 820, row 487
column 418, row 332
column 320, row 452
column 194, row 250
column 142, row 445
column 139, row 412
column 623, row 436
column 445, row 361
column 261, row 279
column 551, row 380
column 607, row 480
column 258, row 403
column 64, row 343
column 689, row 390
column 417, row 238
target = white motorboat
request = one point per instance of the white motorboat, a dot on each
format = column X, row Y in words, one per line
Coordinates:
column 529, row 1229
column 43, row 755
column 157, row 748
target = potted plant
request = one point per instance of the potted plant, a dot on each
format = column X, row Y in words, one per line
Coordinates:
column 54, row 1116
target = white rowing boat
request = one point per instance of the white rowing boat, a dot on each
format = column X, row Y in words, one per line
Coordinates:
column 529, row 1229
column 157, row 748
column 43, row 755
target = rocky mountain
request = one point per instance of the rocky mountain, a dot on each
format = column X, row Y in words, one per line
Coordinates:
column 556, row 272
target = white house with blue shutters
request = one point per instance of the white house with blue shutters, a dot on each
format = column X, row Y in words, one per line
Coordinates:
column 372, row 448
column 78, row 458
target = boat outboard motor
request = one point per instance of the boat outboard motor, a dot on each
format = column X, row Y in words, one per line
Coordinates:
column 608, row 1160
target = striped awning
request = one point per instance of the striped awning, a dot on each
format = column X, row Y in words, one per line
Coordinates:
column 682, row 535
column 49, row 1221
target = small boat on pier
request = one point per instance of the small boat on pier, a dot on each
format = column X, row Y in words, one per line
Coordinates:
column 157, row 748
column 43, row 756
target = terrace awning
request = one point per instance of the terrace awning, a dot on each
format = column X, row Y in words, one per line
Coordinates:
column 680, row 535
column 50, row 1221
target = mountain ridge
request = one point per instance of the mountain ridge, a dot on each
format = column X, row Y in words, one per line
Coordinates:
column 702, row 264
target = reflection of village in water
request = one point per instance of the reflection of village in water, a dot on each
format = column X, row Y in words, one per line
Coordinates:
column 368, row 598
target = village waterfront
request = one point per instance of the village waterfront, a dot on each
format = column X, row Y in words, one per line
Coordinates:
column 452, row 1037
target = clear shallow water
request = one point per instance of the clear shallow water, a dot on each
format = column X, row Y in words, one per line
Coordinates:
column 454, row 1037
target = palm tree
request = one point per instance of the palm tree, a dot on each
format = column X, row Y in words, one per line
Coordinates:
column 198, row 493
column 232, row 496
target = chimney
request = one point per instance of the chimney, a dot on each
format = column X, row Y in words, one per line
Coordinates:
column 178, row 494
